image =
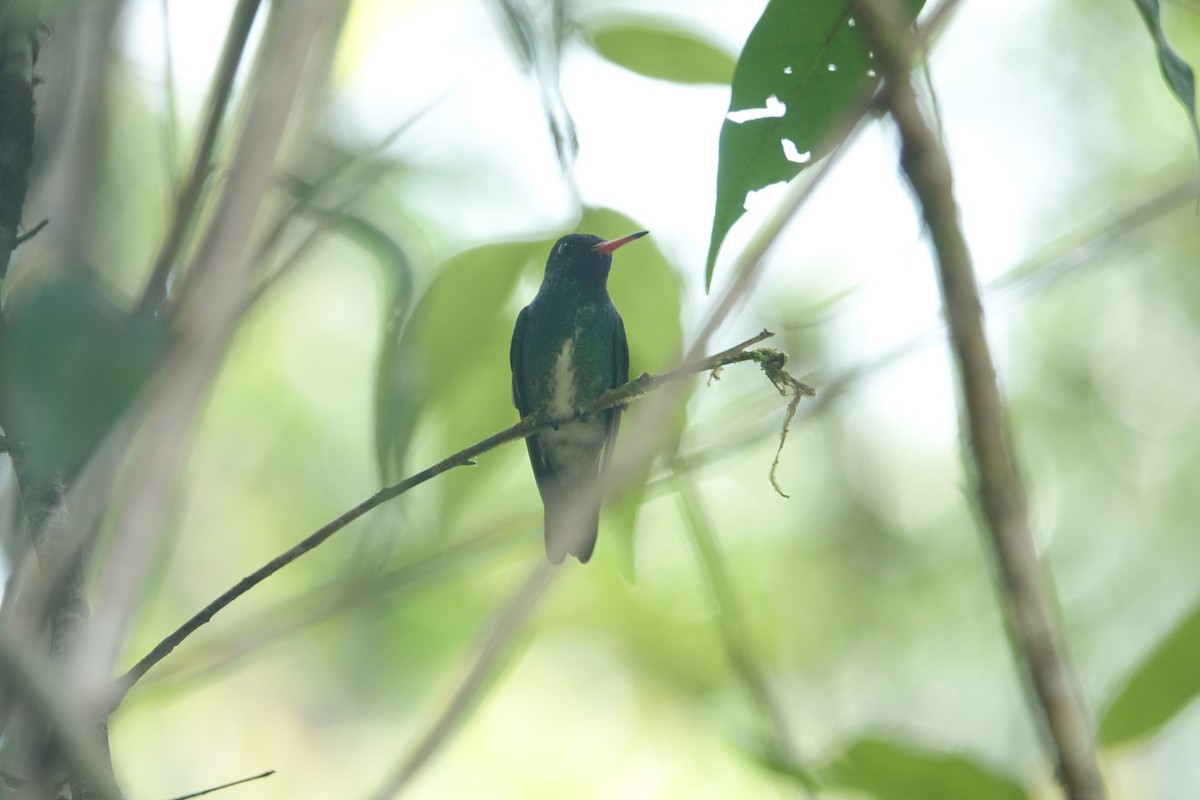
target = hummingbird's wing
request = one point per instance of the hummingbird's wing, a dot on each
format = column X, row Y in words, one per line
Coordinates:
column 620, row 354
column 516, row 362
column 620, row 374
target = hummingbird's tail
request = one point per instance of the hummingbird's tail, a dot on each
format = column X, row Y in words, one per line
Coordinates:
column 571, row 526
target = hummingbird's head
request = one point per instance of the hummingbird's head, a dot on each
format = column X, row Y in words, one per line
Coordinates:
column 584, row 258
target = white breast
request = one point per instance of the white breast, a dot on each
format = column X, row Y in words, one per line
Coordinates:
column 572, row 440
column 562, row 383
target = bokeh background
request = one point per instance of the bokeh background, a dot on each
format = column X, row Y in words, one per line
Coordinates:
column 865, row 601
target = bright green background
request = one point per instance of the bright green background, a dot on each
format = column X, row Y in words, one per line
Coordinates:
column 867, row 598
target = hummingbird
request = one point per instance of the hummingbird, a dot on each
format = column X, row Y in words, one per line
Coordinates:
column 568, row 348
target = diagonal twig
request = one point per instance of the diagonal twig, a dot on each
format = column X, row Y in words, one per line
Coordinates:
column 229, row 785
column 528, row 426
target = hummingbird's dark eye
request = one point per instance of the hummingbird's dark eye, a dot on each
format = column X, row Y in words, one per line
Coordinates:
column 564, row 248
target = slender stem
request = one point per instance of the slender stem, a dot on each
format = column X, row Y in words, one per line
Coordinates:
column 189, row 196
column 732, row 625
column 18, row 32
column 1023, row 586
column 491, row 647
column 311, row 197
column 229, row 785
column 208, row 316
column 32, row 677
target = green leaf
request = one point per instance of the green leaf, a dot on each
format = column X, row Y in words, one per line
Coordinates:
column 1165, row 683
column 1175, row 70
column 434, row 358
column 663, row 54
column 73, row 362
column 803, row 67
column 891, row 770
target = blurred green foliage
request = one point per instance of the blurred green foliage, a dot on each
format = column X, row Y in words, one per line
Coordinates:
column 71, row 363
column 892, row 770
column 664, row 53
column 1163, row 685
column 1177, row 73
column 450, row 357
column 867, row 598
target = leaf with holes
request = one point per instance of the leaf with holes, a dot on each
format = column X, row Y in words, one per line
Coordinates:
column 803, row 67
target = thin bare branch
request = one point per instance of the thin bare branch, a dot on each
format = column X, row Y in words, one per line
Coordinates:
column 223, row 786
column 1023, row 586
column 336, row 596
column 528, row 426
column 29, row 234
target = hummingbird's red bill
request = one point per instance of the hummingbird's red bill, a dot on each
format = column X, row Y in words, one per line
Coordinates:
column 613, row 244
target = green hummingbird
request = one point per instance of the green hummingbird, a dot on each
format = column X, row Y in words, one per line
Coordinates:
column 568, row 348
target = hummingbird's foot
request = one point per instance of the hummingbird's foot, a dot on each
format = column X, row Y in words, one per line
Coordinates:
column 582, row 415
column 541, row 418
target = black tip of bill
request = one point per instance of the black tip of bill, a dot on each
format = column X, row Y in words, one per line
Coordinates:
column 613, row 244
